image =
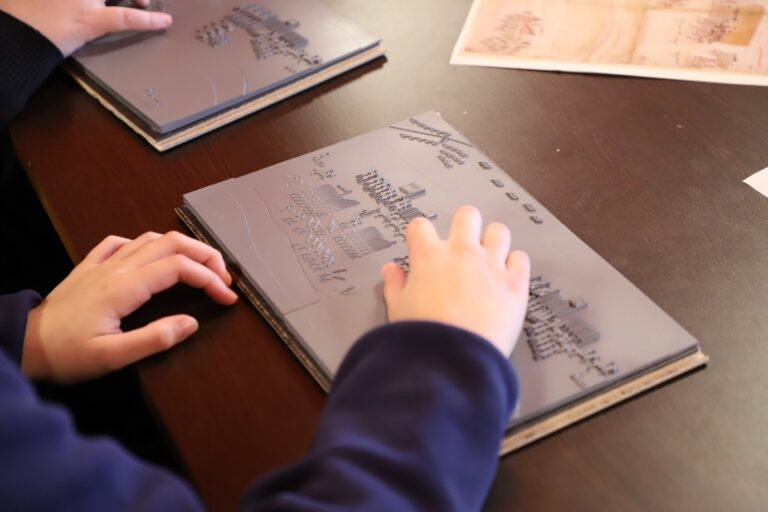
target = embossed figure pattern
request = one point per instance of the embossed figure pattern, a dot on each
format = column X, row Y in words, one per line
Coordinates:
column 217, row 55
column 311, row 233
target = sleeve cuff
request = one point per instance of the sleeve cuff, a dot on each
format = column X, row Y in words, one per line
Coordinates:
column 434, row 341
column 13, row 321
column 413, row 421
column 26, row 60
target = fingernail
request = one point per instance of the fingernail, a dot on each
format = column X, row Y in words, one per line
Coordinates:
column 233, row 296
column 188, row 325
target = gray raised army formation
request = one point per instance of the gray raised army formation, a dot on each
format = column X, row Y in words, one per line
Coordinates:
column 217, row 55
column 311, row 233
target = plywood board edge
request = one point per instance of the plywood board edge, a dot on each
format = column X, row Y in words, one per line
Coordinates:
column 609, row 398
column 107, row 104
column 293, row 345
column 165, row 142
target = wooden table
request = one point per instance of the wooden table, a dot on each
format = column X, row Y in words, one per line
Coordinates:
column 647, row 172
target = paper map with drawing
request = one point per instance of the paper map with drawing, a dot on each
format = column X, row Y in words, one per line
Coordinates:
column 723, row 41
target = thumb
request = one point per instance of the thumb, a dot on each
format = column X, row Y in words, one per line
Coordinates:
column 118, row 19
column 128, row 347
column 394, row 281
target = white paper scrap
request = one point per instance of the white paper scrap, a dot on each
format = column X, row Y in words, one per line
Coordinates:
column 759, row 181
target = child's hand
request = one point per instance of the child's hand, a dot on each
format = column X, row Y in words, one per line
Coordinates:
column 75, row 332
column 465, row 281
column 69, row 24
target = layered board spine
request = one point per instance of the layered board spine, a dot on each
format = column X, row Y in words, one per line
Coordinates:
column 261, row 306
column 171, row 140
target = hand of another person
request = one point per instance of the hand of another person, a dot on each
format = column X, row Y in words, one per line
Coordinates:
column 464, row 281
column 69, row 24
column 75, row 332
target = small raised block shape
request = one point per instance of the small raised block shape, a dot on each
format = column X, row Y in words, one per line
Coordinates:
column 529, row 207
column 484, row 165
column 498, row 183
column 512, row 196
column 536, row 220
column 578, row 303
column 412, row 190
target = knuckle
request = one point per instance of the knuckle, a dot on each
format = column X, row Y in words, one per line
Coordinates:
column 166, row 337
column 428, row 253
column 124, row 289
column 178, row 241
column 466, row 248
column 175, row 236
column 129, row 17
column 108, row 358
column 179, row 261
column 498, row 226
column 499, row 229
column 149, row 236
column 217, row 259
column 170, row 238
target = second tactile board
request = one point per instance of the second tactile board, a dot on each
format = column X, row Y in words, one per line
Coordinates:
column 217, row 55
column 311, row 233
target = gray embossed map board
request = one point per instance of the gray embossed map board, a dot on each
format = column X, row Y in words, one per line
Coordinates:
column 309, row 235
column 220, row 54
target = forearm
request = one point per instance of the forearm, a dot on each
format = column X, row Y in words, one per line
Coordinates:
column 46, row 465
column 414, row 422
column 26, row 60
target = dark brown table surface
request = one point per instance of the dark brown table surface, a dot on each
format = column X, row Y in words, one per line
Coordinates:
column 647, row 172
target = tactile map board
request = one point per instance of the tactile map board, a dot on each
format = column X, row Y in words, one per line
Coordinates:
column 309, row 235
column 219, row 54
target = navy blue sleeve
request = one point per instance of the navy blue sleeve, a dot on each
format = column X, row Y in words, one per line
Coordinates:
column 26, row 60
column 14, row 309
column 413, row 422
column 45, row 465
